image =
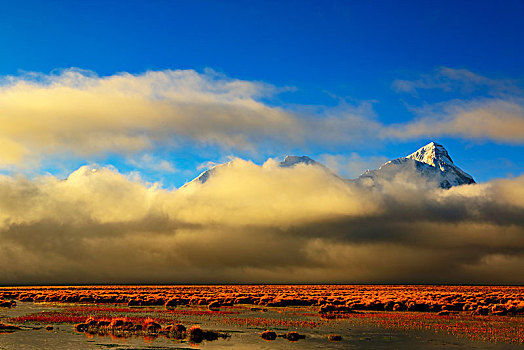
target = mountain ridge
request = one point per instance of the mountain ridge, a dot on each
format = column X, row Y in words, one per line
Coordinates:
column 431, row 161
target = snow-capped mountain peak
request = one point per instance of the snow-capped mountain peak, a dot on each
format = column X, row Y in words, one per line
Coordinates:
column 290, row 161
column 433, row 154
column 431, row 162
column 204, row 176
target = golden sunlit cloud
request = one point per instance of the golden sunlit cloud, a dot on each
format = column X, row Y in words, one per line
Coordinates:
column 77, row 113
column 81, row 113
column 492, row 119
column 252, row 223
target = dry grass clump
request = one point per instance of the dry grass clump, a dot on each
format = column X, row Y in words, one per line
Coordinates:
column 476, row 300
column 268, row 335
column 8, row 328
column 334, row 337
column 196, row 334
column 7, row 303
column 122, row 327
column 293, row 336
column 214, row 305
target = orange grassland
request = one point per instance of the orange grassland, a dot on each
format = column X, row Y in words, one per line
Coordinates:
column 492, row 313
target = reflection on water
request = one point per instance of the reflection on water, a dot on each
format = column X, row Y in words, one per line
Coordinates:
column 244, row 334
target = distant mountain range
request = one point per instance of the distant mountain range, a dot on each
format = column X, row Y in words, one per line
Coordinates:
column 431, row 162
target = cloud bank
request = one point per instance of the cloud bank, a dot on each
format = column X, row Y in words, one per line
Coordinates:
column 79, row 113
column 491, row 119
column 253, row 224
column 75, row 113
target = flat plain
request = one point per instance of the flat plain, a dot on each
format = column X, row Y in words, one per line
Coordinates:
column 262, row 316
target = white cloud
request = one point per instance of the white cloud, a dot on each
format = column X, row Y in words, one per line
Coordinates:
column 491, row 119
column 75, row 113
column 489, row 109
column 78, row 113
column 462, row 80
column 151, row 162
column 352, row 165
column 83, row 114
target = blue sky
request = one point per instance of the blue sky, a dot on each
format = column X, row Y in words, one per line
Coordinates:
column 399, row 68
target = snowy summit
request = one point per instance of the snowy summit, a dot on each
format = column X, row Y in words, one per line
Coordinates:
column 290, row 161
column 431, row 161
